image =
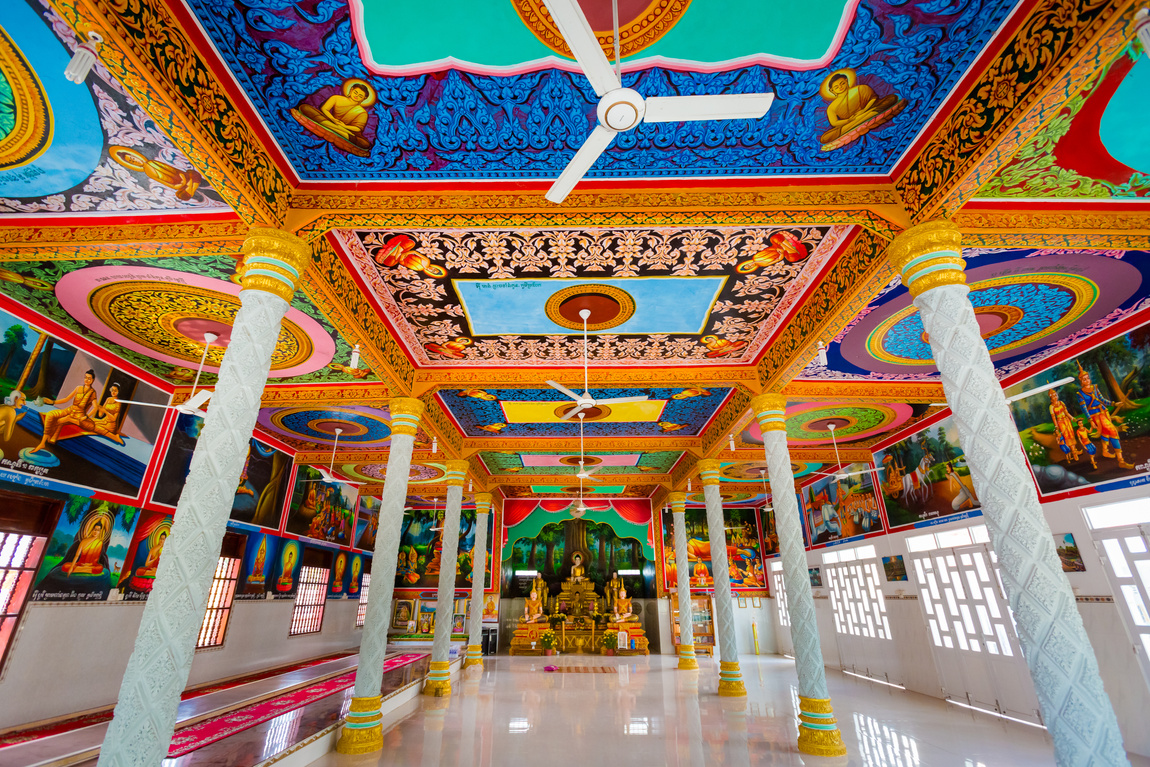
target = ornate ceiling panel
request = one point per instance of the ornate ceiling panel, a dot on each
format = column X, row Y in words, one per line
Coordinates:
column 658, row 297
column 556, row 463
column 306, row 427
column 346, row 95
column 855, row 424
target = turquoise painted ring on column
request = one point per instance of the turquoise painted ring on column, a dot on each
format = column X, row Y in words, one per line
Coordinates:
column 930, row 262
column 404, row 423
column 734, row 675
column 455, row 477
column 358, row 720
column 831, row 725
column 273, row 275
column 272, row 262
column 772, row 417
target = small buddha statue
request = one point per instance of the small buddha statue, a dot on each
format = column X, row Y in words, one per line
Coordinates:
column 622, row 612
column 613, row 587
column 578, row 572
column 533, row 608
column 539, row 585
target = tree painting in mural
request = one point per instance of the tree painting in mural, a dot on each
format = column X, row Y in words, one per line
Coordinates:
column 1094, row 428
column 421, row 547
column 86, row 551
column 744, row 549
column 925, row 476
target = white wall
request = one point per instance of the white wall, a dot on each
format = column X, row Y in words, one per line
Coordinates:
column 70, row 657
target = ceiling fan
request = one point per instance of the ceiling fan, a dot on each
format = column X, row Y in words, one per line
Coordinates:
column 622, row 109
column 840, row 476
column 194, row 404
column 585, row 401
column 327, row 475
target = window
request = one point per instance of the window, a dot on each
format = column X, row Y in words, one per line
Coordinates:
column 361, row 612
column 948, row 539
column 223, row 592
column 857, row 599
column 781, row 598
column 25, row 524
column 311, row 593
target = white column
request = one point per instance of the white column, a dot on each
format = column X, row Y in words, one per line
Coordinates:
column 478, row 576
column 730, row 676
column 439, row 677
column 362, row 729
column 145, row 715
column 687, row 659
column 818, row 729
column 1075, row 707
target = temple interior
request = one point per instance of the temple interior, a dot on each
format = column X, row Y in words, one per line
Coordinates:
column 574, row 382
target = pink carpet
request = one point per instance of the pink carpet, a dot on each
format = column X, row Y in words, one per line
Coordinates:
column 208, row 731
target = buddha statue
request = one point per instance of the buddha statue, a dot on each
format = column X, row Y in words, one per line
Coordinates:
column 612, row 591
column 622, row 612
column 89, row 550
column 578, row 572
column 539, row 585
column 533, row 608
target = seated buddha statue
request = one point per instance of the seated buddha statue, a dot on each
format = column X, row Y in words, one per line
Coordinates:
column 89, row 549
column 578, row 572
column 622, row 612
column 533, row 608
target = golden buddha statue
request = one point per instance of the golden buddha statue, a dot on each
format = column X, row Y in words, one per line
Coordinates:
column 539, row 585
column 578, row 572
column 622, row 612
column 89, row 549
column 612, row 590
column 533, row 609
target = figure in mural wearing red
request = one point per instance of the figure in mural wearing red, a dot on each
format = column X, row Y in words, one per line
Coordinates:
column 1084, row 440
column 1063, row 426
column 81, row 400
column 1096, row 408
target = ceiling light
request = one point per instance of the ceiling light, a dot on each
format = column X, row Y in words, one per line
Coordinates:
column 731, row 441
column 83, row 59
column 822, row 353
column 354, row 358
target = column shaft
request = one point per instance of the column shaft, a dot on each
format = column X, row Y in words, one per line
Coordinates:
column 818, row 729
column 439, row 678
column 145, row 715
column 478, row 577
column 730, row 676
column 687, row 658
column 1075, row 707
column 362, row 732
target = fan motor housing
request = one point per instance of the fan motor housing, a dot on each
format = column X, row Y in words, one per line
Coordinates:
column 620, row 110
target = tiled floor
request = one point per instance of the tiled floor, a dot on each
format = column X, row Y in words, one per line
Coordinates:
column 648, row 713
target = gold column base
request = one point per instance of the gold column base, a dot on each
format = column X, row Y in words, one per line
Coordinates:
column 438, row 681
column 363, row 729
column 474, row 656
column 818, row 729
column 687, row 659
column 731, row 680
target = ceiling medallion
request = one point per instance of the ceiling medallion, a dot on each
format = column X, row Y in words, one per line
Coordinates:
column 641, row 24
column 574, row 460
column 610, row 307
column 594, row 413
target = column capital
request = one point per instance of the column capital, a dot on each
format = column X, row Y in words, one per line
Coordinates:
column 678, row 502
column 928, row 255
column 709, row 471
column 274, row 261
column 483, row 503
column 456, row 473
column 771, row 411
column 405, row 414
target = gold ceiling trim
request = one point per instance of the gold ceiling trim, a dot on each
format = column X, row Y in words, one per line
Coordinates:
column 862, row 391
column 429, row 380
column 1097, row 229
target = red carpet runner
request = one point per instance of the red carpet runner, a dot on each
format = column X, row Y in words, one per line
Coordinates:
column 208, row 731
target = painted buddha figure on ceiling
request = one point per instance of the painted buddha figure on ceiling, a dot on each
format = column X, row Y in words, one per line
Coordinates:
column 342, row 117
column 80, row 402
column 855, row 108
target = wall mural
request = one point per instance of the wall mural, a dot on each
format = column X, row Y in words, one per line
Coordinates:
column 1029, row 303
column 539, row 412
column 840, row 509
column 744, row 549
column 83, row 559
column 262, row 489
column 321, row 510
column 79, row 148
column 611, row 536
column 1093, row 430
column 1093, row 147
column 366, row 523
column 421, row 546
column 139, row 573
column 61, row 419
column 854, row 84
column 696, row 296
column 925, row 479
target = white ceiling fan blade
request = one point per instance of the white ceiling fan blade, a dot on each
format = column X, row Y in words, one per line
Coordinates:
column 198, row 400
column 134, row 402
column 571, row 413
column 737, row 106
column 594, row 146
column 619, row 400
column 580, row 38
column 564, row 389
column 349, row 482
column 592, row 471
column 589, row 478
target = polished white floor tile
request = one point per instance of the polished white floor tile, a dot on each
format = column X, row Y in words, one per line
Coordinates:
column 645, row 712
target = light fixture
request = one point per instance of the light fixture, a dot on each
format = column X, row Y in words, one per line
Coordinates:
column 1142, row 29
column 731, row 441
column 434, row 445
column 822, row 354
column 83, row 59
column 688, row 484
column 354, row 358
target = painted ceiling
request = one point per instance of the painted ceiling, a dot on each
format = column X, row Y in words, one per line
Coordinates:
column 658, row 297
column 449, row 102
column 855, row 424
column 97, row 151
column 305, row 427
column 566, row 463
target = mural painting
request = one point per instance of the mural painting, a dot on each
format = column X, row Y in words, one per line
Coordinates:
column 421, row 546
column 286, row 569
column 612, row 538
column 257, row 574
column 744, row 549
column 769, row 535
column 321, row 510
column 62, row 418
column 1068, row 553
column 84, row 555
column 262, row 489
column 894, row 568
column 366, row 523
column 925, row 479
column 340, row 574
column 1094, row 427
column 355, row 576
column 139, row 573
column 841, row 507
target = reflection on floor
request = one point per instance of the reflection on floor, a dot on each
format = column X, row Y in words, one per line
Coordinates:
column 648, row 713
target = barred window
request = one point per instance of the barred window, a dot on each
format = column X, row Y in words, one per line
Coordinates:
column 361, row 613
column 215, row 624
column 311, row 594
